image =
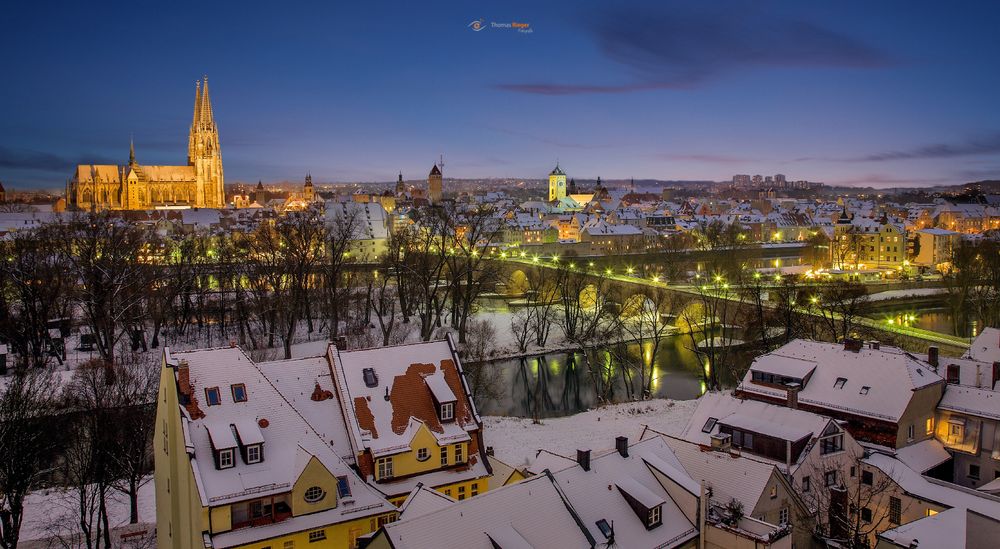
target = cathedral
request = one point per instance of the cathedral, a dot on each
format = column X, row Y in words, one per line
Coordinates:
column 199, row 184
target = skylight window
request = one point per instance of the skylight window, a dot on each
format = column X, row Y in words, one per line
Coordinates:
column 839, row 384
column 212, row 396
column 371, row 380
column 239, row 392
column 864, row 390
column 709, row 425
column 605, row 528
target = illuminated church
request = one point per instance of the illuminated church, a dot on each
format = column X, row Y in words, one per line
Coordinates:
column 199, row 184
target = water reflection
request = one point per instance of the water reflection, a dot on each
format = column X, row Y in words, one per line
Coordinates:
column 560, row 383
column 936, row 320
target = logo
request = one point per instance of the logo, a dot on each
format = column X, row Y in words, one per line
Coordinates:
column 478, row 25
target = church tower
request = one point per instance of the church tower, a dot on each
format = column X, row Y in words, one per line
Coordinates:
column 204, row 152
column 308, row 191
column 557, row 184
column 434, row 185
column 400, row 186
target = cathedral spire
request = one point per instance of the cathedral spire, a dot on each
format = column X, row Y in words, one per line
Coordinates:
column 205, row 111
column 131, row 151
column 197, row 104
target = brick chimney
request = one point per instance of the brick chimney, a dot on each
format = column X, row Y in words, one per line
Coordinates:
column 853, row 345
column 621, row 444
column 583, row 458
column 792, row 392
column 932, row 356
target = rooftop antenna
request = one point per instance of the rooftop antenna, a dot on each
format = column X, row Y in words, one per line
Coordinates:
column 441, row 163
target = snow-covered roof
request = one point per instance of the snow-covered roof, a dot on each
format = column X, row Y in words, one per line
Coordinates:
column 588, row 493
column 971, row 401
column 940, row 492
column 924, row 455
column 289, row 442
column 944, row 529
column 785, row 366
column 533, row 508
column 729, row 475
column 876, row 383
column 986, row 346
column 423, row 500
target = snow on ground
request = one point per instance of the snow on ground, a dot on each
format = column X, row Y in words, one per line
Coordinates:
column 51, row 517
column 913, row 292
column 516, row 440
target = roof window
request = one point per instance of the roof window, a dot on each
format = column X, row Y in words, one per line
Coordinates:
column 839, row 384
column 371, row 379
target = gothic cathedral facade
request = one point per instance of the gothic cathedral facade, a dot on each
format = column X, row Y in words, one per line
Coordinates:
column 199, row 184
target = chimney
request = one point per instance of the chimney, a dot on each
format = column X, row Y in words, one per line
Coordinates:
column 721, row 442
column 792, row 391
column 621, row 444
column 583, row 458
column 853, row 345
column 932, row 356
column 979, row 376
column 489, row 451
column 875, row 345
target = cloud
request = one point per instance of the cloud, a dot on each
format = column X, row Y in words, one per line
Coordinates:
column 684, row 49
column 709, row 158
column 989, row 144
column 22, row 159
column 554, row 142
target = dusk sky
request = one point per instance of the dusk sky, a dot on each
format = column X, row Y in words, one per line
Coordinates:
column 881, row 93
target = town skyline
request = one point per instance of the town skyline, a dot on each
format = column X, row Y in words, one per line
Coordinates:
column 888, row 96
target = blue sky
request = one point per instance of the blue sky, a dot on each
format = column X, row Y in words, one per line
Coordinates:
column 881, row 93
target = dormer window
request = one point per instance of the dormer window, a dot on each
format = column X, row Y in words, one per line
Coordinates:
column 447, row 411
column 212, row 396
column 655, row 517
column 254, row 454
column 239, row 392
column 226, row 459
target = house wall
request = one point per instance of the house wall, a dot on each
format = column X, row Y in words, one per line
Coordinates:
column 720, row 538
column 314, row 474
column 921, row 408
column 971, row 449
column 180, row 516
column 768, row 509
column 912, row 508
column 815, row 465
column 338, row 536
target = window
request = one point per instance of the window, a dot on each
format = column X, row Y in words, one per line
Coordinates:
column 805, row 484
column 459, row 458
column 929, row 426
column 867, row 478
column 226, row 458
column 854, row 471
column 314, row 494
column 895, row 509
column 447, row 492
column 710, row 424
column 748, row 441
column 371, row 380
column 444, row 456
column 953, row 373
column 475, row 489
column 774, row 491
column 955, row 430
column 654, row 517
column 973, row 471
column 909, row 432
column 212, row 396
column 830, row 478
column 831, row 444
column 384, row 466
column 448, row 411
column 783, row 515
column 461, row 493
column 864, row 390
column 605, row 528
column 317, row 535
column 239, row 392
column 343, row 487
column 866, row 514
column 423, row 454
column 839, row 384
column 253, row 454
column 290, row 544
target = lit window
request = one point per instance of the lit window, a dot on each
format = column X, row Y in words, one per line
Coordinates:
column 343, row 487
column 447, row 411
column 253, row 454
column 314, row 494
column 226, row 458
column 239, row 392
column 317, row 535
column 212, row 396
column 423, row 454
column 929, row 428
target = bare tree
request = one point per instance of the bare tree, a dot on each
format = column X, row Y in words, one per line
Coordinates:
column 642, row 319
column 485, row 377
column 471, row 272
column 344, row 225
column 839, row 304
column 854, row 503
column 26, row 444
